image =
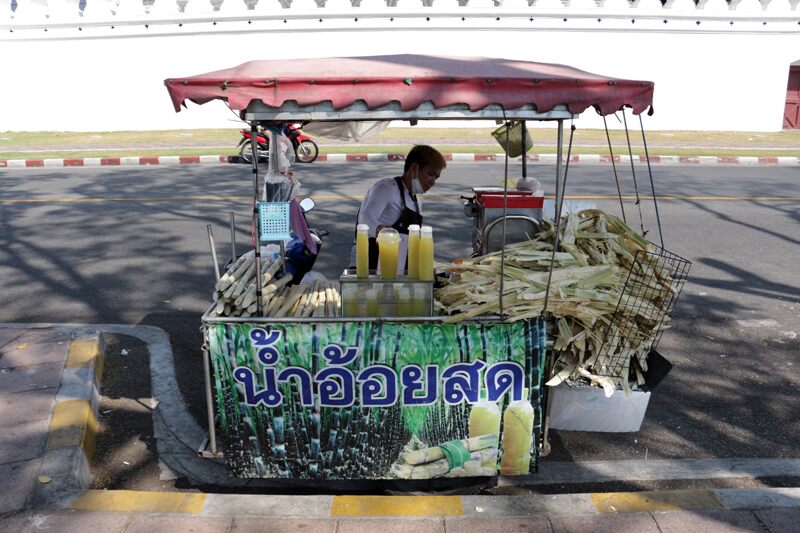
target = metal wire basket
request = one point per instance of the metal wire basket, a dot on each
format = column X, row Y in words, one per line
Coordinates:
column 513, row 145
column 654, row 282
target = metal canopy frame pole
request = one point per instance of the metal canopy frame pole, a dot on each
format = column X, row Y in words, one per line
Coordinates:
column 254, row 145
column 559, row 200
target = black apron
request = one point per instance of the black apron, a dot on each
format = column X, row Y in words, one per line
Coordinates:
column 406, row 219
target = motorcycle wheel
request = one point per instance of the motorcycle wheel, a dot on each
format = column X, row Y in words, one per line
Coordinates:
column 246, row 153
column 307, row 151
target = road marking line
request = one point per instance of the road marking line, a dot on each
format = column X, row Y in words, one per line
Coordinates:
column 396, row 506
column 132, row 500
column 671, row 500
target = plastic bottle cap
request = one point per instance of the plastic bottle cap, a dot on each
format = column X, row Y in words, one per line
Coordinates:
column 363, row 228
column 413, row 229
column 426, row 231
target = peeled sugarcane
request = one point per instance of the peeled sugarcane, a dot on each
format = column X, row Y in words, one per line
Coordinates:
column 427, row 455
column 441, row 467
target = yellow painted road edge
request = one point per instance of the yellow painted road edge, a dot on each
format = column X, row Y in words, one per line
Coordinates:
column 668, row 500
column 74, row 422
column 409, row 506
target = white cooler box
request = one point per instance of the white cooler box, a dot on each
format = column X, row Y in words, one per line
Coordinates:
column 587, row 409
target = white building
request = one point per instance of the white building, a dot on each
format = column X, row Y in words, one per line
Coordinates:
column 96, row 65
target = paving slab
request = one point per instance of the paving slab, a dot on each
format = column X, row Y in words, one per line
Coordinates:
column 20, row 477
column 77, row 522
column 707, row 522
column 30, row 377
column 498, row 525
column 32, row 347
column 619, row 523
column 23, row 407
column 780, row 520
column 289, row 525
column 391, row 525
column 165, row 523
column 23, row 441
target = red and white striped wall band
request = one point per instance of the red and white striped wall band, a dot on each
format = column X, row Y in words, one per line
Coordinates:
column 543, row 158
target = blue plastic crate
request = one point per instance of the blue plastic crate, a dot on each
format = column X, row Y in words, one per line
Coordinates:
column 273, row 221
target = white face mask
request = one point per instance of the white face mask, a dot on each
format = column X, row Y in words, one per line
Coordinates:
column 416, row 186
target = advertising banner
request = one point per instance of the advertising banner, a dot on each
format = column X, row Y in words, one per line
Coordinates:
column 378, row 400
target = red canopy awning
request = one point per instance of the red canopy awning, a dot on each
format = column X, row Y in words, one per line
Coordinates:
column 411, row 80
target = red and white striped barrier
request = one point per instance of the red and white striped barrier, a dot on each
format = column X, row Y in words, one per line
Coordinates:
column 331, row 158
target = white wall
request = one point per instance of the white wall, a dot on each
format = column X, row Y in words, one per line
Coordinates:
column 712, row 76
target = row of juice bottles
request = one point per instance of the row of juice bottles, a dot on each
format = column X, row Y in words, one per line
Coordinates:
column 420, row 252
column 385, row 300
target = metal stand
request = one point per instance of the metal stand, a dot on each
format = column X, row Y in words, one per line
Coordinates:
column 212, row 430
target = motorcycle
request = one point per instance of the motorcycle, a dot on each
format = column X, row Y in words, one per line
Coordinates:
column 305, row 149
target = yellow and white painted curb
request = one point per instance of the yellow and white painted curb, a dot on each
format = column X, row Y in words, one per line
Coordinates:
column 347, row 507
column 69, row 450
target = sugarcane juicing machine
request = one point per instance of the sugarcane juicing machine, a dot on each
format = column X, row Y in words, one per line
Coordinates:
column 523, row 216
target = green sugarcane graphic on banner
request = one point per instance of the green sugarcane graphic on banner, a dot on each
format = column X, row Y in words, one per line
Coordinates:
column 376, row 400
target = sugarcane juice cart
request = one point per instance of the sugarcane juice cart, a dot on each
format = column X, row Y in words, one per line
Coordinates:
column 386, row 395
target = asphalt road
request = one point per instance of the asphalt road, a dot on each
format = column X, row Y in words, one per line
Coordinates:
column 129, row 245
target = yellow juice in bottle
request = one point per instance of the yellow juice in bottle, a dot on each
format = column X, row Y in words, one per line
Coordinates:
column 405, row 305
column 426, row 253
column 517, row 437
column 419, row 302
column 413, row 251
column 372, row 302
column 484, row 418
column 362, row 251
column 388, row 249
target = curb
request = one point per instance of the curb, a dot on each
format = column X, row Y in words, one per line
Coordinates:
column 342, row 507
column 592, row 159
column 69, row 450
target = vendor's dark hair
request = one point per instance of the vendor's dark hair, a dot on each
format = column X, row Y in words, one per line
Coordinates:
column 424, row 155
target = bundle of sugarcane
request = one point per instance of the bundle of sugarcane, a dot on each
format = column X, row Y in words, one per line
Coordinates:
column 426, row 463
column 597, row 252
column 235, row 293
column 318, row 299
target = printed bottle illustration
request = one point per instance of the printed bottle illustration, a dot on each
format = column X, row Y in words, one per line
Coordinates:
column 517, row 437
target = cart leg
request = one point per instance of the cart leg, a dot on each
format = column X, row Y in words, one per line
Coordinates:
column 212, row 430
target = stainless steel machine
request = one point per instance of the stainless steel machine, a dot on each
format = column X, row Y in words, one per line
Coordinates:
column 523, row 215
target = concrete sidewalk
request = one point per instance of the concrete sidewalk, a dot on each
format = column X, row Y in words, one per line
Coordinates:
column 49, row 385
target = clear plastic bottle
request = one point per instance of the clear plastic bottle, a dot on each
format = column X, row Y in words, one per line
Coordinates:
column 517, row 437
column 362, row 251
column 413, row 251
column 388, row 250
column 372, row 302
column 426, row 253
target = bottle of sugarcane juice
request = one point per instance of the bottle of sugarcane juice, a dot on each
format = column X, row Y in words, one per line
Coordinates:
column 372, row 302
column 426, row 253
column 484, row 418
column 413, row 251
column 517, row 437
column 404, row 302
column 388, row 248
column 362, row 251
column 421, row 305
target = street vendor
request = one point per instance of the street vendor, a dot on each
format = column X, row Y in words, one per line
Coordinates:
column 393, row 202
